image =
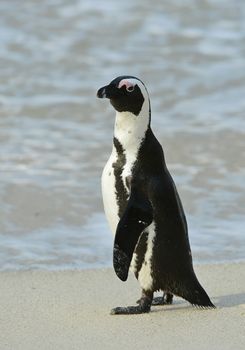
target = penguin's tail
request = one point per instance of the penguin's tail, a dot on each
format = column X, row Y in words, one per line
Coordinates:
column 196, row 295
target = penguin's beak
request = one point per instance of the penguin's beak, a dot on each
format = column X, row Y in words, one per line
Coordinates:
column 109, row 91
column 101, row 93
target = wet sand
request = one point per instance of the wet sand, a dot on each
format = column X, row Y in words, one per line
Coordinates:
column 70, row 310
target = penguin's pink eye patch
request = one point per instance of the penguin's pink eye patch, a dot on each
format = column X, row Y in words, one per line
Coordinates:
column 128, row 84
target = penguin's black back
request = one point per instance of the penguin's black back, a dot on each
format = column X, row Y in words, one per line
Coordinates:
column 172, row 268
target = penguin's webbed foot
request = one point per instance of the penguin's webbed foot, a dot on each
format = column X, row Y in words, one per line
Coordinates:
column 129, row 310
column 166, row 299
column 143, row 307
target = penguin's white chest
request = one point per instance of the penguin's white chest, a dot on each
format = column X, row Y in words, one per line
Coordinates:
column 109, row 195
column 129, row 133
column 109, row 191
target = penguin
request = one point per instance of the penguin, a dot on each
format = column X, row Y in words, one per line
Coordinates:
column 143, row 207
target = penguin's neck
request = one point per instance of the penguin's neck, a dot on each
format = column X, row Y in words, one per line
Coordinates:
column 130, row 130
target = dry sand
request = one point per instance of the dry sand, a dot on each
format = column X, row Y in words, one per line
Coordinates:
column 70, row 310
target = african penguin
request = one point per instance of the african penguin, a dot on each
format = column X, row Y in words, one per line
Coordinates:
column 143, row 207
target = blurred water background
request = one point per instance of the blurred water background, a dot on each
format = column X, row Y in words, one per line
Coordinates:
column 55, row 136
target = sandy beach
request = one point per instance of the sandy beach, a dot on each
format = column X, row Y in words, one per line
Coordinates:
column 71, row 310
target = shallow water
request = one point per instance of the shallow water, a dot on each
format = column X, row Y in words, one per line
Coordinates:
column 55, row 136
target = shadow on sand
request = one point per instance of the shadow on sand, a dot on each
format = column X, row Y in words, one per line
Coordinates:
column 230, row 300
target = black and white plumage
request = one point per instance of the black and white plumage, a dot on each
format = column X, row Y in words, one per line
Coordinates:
column 143, row 207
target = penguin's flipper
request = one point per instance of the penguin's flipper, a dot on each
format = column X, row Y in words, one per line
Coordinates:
column 137, row 216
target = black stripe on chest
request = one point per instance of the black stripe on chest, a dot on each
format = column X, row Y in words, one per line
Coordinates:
column 118, row 166
column 140, row 251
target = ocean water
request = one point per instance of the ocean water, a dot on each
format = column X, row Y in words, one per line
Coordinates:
column 55, row 135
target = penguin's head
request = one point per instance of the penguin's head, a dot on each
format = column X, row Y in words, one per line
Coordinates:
column 126, row 94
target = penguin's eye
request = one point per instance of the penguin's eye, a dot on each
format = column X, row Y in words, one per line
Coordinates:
column 130, row 88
